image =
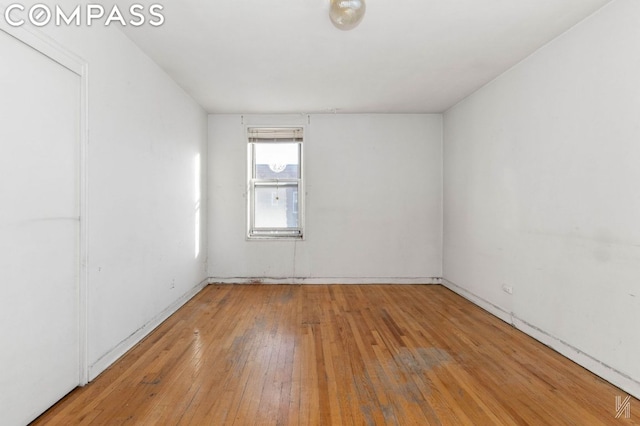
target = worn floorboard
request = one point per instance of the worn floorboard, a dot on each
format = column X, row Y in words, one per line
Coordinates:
column 334, row 355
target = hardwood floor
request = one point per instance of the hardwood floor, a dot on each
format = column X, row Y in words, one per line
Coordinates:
column 333, row 355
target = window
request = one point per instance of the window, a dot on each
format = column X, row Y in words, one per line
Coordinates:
column 275, row 191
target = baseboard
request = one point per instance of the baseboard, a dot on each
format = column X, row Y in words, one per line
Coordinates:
column 114, row 354
column 610, row 374
column 494, row 310
column 332, row 280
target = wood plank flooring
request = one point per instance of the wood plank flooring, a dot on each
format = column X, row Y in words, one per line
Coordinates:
column 339, row 355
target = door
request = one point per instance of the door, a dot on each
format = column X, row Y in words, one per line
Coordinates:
column 39, row 231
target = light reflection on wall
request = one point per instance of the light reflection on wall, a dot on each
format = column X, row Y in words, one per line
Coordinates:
column 197, row 183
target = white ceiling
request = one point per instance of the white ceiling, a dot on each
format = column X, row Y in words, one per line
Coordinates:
column 285, row 56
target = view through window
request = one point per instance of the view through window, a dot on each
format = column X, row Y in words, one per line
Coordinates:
column 275, row 179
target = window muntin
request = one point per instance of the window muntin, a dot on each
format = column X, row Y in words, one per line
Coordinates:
column 275, row 181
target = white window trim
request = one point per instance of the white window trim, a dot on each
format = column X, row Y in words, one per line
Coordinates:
column 275, row 235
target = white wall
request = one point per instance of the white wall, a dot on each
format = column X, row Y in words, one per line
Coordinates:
column 145, row 135
column 373, row 202
column 541, row 193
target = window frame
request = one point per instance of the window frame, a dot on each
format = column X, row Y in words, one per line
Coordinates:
column 254, row 233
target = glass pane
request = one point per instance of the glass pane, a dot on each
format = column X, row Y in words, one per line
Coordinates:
column 276, row 207
column 277, row 160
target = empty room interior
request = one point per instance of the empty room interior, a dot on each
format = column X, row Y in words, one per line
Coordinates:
column 320, row 212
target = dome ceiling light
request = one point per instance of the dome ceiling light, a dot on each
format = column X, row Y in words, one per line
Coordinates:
column 346, row 14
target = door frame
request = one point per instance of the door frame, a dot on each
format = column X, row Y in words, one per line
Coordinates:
column 42, row 43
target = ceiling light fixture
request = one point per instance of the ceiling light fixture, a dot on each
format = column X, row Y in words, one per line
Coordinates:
column 346, row 14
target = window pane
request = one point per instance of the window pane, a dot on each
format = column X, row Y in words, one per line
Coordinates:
column 276, row 207
column 277, row 160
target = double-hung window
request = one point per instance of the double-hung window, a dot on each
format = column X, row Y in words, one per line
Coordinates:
column 275, row 191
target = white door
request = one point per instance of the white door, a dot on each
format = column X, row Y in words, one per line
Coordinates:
column 39, row 231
